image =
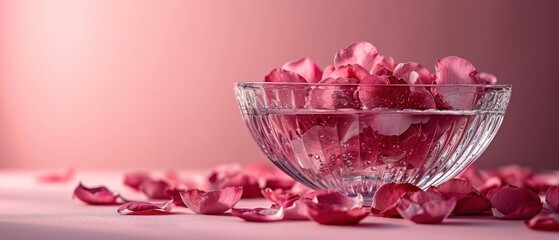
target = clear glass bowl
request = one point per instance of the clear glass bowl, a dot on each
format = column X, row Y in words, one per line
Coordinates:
column 353, row 138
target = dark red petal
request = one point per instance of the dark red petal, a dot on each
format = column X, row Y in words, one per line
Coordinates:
column 514, row 175
column 155, row 189
column 361, row 53
column 145, row 206
column 540, row 181
column 425, row 207
column 135, row 179
column 281, row 75
column 212, row 202
column 468, row 200
column 306, row 68
column 544, row 222
column 387, row 196
column 333, row 97
column 332, row 214
column 258, row 214
column 57, row 176
column 552, row 198
column 96, row 195
column 515, row 203
column 175, row 195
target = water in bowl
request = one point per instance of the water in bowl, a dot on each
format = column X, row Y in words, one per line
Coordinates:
column 356, row 151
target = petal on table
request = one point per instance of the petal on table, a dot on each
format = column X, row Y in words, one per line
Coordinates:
column 175, row 195
column 275, row 195
column 387, row 196
column 306, row 68
column 515, row 203
column 96, row 195
column 155, row 189
column 258, row 214
column 425, row 207
column 135, row 179
column 544, row 222
column 361, row 53
column 540, row 182
column 60, row 176
column 468, row 200
column 212, row 202
column 514, row 174
column 333, row 214
column 552, row 198
column 293, row 208
column 336, row 198
column 139, row 207
column 281, row 75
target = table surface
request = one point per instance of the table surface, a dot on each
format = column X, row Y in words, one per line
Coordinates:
column 32, row 210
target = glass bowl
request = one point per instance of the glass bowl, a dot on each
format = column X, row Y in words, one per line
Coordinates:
column 353, row 138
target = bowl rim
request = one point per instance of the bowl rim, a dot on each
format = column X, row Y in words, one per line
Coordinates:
column 283, row 84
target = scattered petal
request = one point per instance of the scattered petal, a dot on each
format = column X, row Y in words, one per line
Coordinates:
column 361, row 53
column 515, row 203
column 135, row 179
column 276, row 195
column 333, row 214
column 145, row 206
column 468, row 200
column 306, row 68
column 259, row 214
column 425, row 207
column 175, row 195
column 386, row 198
column 57, row 176
column 544, row 222
column 552, row 198
column 293, row 208
column 540, row 182
column 212, row 202
column 336, row 198
column 155, row 189
column 96, row 195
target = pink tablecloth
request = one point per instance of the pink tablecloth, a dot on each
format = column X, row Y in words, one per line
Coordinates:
column 29, row 210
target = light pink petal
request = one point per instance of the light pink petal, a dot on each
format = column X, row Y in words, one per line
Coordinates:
column 224, row 171
column 350, row 71
column 455, row 70
column 328, row 70
column 487, row 78
column 96, row 195
column 155, row 189
column 361, row 53
column 425, row 207
column 404, row 71
column 212, row 202
column 515, row 203
column 333, row 97
column 306, row 68
column 480, row 180
column 552, row 198
column 258, row 214
column 57, row 176
column 385, row 67
column 540, row 182
column 514, row 174
column 293, row 208
column 544, row 222
column 387, row 196
column 336, row 198
column 135, row 179
column 250, row 184
column 468, row 200
column 140, row 207
column 277, row 194
column 333, row 214
column 281, row 75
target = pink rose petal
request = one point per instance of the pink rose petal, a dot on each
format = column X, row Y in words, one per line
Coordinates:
column 276, row 195
column 385, row 67
column 386, row 198
column 455, row 70
column 425, row 207
column 544, row 222
column 361, row 53
column 333, row 214
column 404, row 71
column 145, row 207
column 281, row 75
column 306, row 68
column 96, row 195
column 514, row 175
column 212, row 202
column 336, row 198
column 480, row 180
column 468, row 200
column 155, row 189
column 540, row 182
column 552, row 198
column 333, row 97
column 515, row 203
column 175, row 195
column 328, row 70
column 258, row 214
column 293, row 208
column 57, row 176
column 135, row 179
column 487, row 78
column 349, row 71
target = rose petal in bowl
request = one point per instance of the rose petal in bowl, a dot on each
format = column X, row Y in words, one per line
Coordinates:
column 552, row 198
column 212, row 202
column 468, row 200
column 386, row 198
column 145, row 206
column 259, row 214
column 282, row 75
column 334, row 214
column 96, row 195
column 515, row 203
column 425, row 207
column 361, row 53
column 455, row 70
column 306, row 68
column 333, row 97
column 544, row 222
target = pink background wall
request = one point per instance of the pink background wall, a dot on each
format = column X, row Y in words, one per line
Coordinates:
column 103, row 84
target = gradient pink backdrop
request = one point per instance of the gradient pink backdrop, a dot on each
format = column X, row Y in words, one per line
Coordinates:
column 102, row 84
